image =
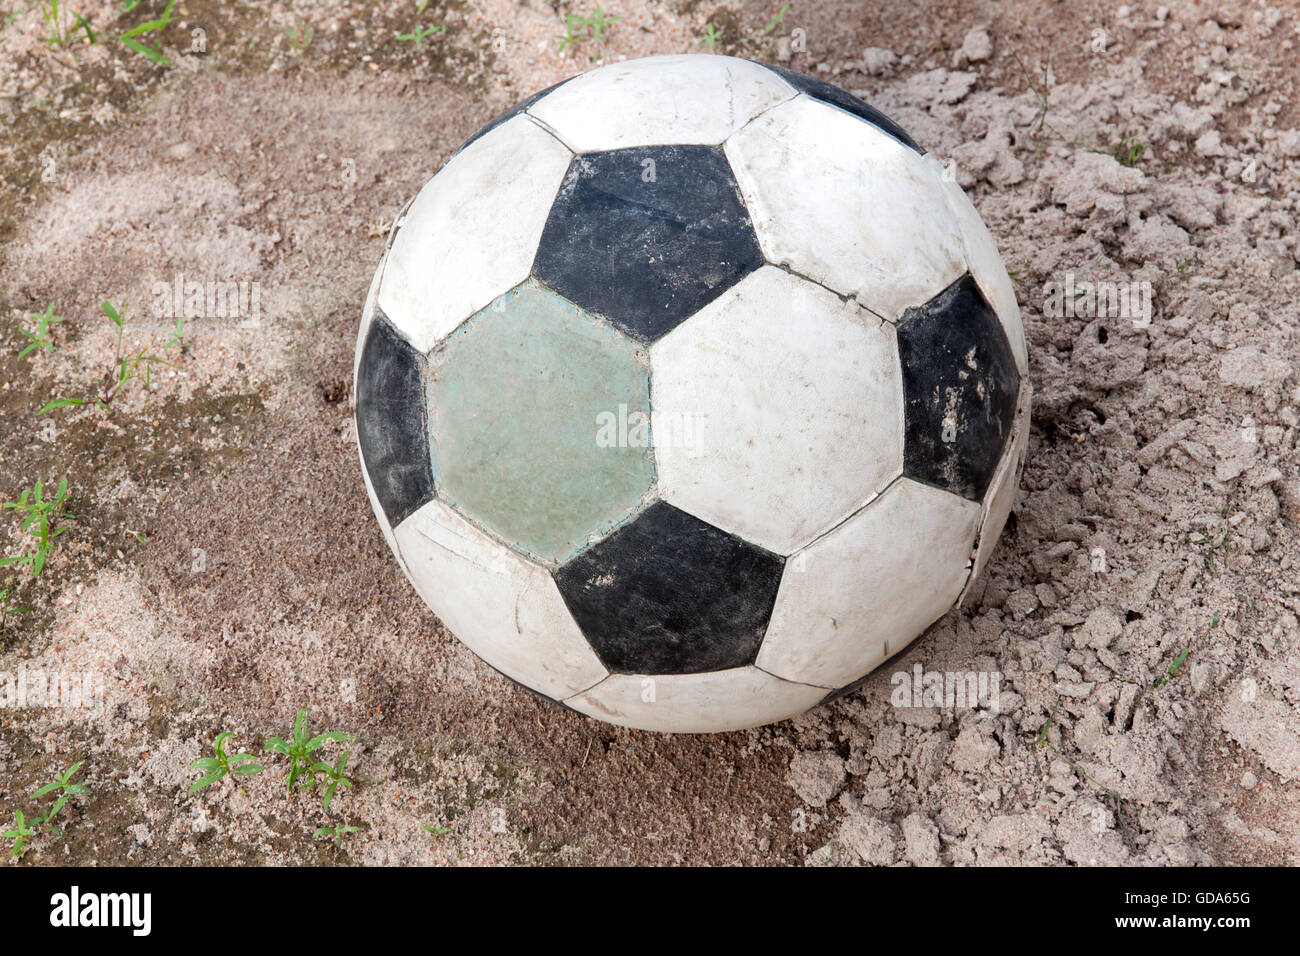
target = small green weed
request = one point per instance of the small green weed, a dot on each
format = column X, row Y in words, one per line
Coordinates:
column 127, row 367
column 40, row 519
column 1117, row 802
column 24, row 829
column 1130, row 152
column 176, row 340
column 579, row 28
column 66, row 789
column 418, row 34
column 1209, row 546
column 63, row 29
column 299, row 748
column 778, row 21
column 40, row 337
column 1171, row 672
column 712, row 36
column 336, row 832
column 306, row 771
column 134, row 39
column 220, row 764
column 300, row 34
column 20, row 833
column 64, row 26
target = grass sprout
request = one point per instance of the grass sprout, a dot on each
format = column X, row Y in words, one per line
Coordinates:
column 712, row 36
column 336, row 832
column 127, row 366
column 41, row 518
column 39, row 338
column 62, row 785
column 220, row 764
column 579, row 28
column 300, row 746
column 19, row 833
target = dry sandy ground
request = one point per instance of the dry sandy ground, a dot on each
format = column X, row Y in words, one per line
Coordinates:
column 1155, row 530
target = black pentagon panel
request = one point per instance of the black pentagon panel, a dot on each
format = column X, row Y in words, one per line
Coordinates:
column 832, row 94
column 671, row 594
column 960, row 386
column 646, row 236
column 391, row 422
column 509, row 114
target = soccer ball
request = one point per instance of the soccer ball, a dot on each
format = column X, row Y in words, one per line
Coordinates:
column 689, row 391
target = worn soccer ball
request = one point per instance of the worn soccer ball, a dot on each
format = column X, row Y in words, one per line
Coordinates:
column 689, row 391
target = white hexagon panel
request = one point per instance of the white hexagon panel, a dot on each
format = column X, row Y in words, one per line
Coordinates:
column 840, row 201
column 679, row 703
column 778, row 410
column 884, row 576
column 504, row 608
column 484, row 199
column 655, row 101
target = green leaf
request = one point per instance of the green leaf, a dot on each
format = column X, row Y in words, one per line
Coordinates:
column 82, row 24
column 206, row 781
column 60, row 403
column 247, row 769
column 151, row 25
column 54, row 810
column 145, row 51
column 321, row 739
column 205, row 763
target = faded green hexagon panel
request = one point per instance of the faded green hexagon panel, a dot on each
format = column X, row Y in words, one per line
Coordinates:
column 534, row 410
